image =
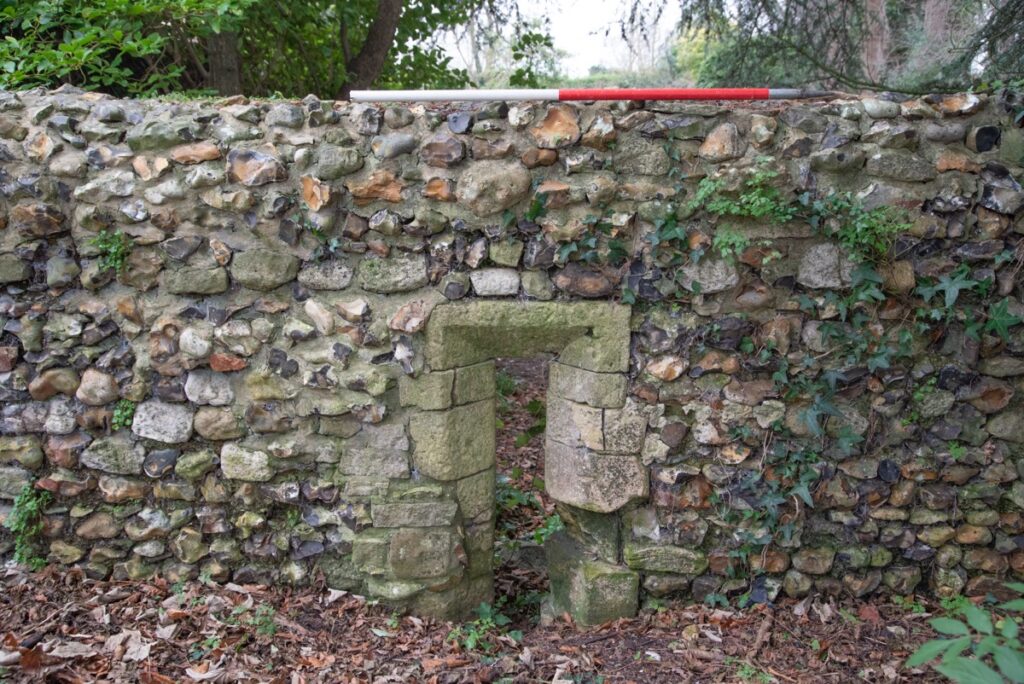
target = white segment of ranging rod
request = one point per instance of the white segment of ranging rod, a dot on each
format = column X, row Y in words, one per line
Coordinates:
column 490, row 95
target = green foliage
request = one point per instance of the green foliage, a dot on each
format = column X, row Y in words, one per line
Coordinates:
column 910, row 604
column 536, row 409
column 745, row 672
column 201, row 649
column 289, row 49
column 978, row 649
column 865, row 234
column 480, row 634
column 124, row 411
column 114, row 248
column 25, row 521
column 261, row 619
column 506, row 383
column 552, row 524
column 508, row 497
column 729, row 244
column 126, row 47
column 758, row 198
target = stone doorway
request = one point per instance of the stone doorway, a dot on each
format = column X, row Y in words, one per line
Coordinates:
column 593, row 442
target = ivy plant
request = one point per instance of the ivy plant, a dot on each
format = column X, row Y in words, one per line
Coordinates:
column 25, row 521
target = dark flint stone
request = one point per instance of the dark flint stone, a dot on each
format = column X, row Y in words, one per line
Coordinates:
column 460, row 122
column 160, row 462
column 889, row 471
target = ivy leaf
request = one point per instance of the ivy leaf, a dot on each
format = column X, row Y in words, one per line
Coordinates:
column 1000, row 320
column 951, row 287
column 879, row 360
column 565, row 250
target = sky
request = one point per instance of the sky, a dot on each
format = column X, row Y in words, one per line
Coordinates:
column 578, row 28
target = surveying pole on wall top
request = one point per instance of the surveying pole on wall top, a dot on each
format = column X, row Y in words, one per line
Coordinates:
column 570, row 94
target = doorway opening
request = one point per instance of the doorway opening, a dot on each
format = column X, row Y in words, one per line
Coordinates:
column 526, row 515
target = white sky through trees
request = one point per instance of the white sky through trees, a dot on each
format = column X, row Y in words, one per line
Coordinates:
column 578, row 28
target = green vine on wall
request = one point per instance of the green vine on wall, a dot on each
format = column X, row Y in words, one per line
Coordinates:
column 25, row 521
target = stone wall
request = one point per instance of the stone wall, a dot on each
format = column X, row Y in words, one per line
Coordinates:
column 306, row 320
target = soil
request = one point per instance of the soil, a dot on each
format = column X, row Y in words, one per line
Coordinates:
column 63, row 627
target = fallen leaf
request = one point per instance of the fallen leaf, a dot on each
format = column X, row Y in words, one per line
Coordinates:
column 211, row 674
column 70, row 649
column 869, row 613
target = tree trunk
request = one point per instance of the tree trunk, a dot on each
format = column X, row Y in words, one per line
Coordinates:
column 225, row 70
column 936, row 24
column 876, row 40
column 365, row 67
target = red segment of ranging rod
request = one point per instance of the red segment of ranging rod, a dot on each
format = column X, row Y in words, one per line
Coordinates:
column 664, row 94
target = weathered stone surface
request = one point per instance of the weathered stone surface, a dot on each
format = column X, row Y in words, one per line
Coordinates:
column 377, row 451
column 490, row 187
column 587, row 335
column 52, row 382
column 213, row 280
column 208, row 387
column 814, row 561
column 559, row 128
column 417, row 514
column 602, row 390
column 393, row 145
column 163, row 422
column 722, row 143
column 451, row 444
column 443, row 151
column 395, row 274
column 899, row 165
column 251, row 465
column 13, row 269
column 824, row 266
column 263, row 269
column 255, row 167
column 114, row 455
column 591, row 480
column 24, row 450
column 654, row 558
column 710, row 276
column 193, row 153
column 326, row 275
column 37, row 219
column 217, row 424
column 195, row 464
column 381, row 184
column 495, row 282
column 594, row 592
column 97, row 388
column 334, row 162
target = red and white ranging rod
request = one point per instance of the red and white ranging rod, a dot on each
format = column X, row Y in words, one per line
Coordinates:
column 567, row 94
